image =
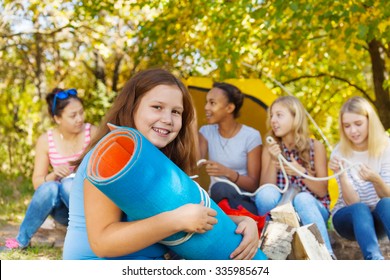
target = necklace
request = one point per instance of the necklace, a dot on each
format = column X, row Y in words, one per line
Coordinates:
column 226, row 142
column 69, row 146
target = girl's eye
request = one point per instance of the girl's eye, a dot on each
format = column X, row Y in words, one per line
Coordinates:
column 176, row 112
column 157, row 107
column 346, row 125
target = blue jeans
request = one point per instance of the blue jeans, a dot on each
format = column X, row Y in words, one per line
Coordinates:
column 308, row 208
column 50, row 198
column 358, row 222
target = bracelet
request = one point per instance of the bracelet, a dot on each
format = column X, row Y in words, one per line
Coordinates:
column 238, row 176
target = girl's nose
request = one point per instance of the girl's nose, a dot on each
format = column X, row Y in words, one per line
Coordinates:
column 167, row 118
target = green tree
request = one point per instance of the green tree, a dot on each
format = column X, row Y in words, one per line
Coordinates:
column 322, row 52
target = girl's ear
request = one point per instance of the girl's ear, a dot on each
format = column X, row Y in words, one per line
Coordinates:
column 57, row 119
column 231, row 107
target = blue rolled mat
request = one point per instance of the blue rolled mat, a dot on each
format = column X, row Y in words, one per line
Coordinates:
column 143, row 182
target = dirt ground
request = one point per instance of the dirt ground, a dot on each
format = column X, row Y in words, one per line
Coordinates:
column 52, row 235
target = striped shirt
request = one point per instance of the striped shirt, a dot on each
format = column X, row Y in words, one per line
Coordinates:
column 298, row 180
column 364, row 189
column 56, row 159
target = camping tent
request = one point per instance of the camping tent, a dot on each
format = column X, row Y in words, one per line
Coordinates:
column 254, row 110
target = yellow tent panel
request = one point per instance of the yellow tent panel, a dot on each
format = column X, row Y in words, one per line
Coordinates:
column 254, row 110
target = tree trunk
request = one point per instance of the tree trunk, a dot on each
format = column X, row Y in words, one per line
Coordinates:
column 99, row 71
column 115, row 76
column 382, row 100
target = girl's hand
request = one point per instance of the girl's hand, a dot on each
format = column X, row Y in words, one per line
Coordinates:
column 274, row 150
column 249, row 245
column 62, row 171
column 297, row 166
column 214, row 168
column 367, row 174
column 334, row 164
column 196, row 217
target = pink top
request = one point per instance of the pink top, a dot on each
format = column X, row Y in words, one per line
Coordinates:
column 57, row 159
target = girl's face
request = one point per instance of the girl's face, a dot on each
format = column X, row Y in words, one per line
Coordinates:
column 281, row 120
column 159, row 114
column 217, row 106
column 356, row 129
column 72, row 117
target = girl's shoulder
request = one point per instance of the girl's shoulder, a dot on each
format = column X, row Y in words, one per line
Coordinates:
column 92, row 129
column 316, row 142
column 250, row 129
column 318, row 146
column 209, row 129
column 387, row 148
column 42, row 143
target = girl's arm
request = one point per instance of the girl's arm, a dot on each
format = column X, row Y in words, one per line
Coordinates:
column 382, row 189
column 109, row 237
column 269, row 168
column 203, row 146
column 251, row 181
column 41, row 163
column 349, row 194
column 320, row 188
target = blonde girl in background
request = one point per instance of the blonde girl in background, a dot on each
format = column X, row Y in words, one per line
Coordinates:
column 362, row 212
column 289, row 129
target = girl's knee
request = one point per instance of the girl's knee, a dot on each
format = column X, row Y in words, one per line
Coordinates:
column 360, row 207
column 303, row 198
column 222, row 190
column 66, row 185
column 266, row 199
column 48, row 190
column 383, row 204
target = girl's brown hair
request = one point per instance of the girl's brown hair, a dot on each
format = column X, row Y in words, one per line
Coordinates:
column 182, row 150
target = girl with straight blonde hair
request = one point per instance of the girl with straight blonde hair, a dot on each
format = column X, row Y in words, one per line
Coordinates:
column 362, row 211
column 288, row 127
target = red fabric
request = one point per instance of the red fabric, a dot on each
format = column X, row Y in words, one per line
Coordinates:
column 241, row 211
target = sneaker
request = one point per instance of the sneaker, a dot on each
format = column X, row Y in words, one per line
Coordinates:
column 10, row 244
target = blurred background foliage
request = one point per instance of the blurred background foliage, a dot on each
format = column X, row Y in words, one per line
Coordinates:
column 321, row 51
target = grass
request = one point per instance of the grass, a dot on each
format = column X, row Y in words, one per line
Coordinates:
column 33, row 253
column 15, row 195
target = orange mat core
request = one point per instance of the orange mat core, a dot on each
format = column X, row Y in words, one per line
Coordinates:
column 116, row 153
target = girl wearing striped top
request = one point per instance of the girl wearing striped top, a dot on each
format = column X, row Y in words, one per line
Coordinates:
column 362, row 212
column 56, row 148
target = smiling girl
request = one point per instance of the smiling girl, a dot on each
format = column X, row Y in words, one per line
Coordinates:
column 159, row 106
